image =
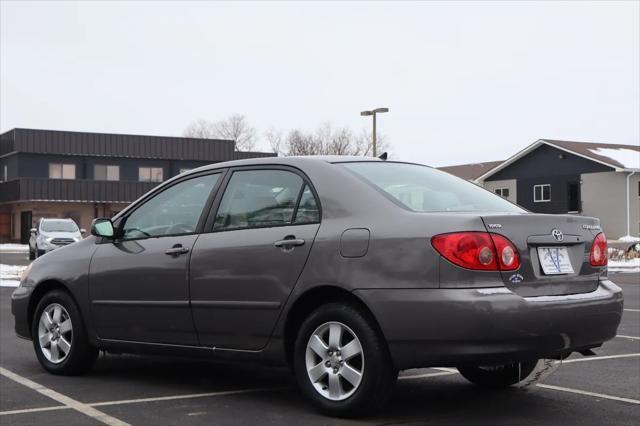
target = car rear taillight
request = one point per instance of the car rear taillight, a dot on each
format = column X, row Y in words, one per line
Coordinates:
column 599, row 254
column 508, row 256
column 477, row 250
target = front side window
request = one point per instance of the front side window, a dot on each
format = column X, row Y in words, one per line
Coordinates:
column 423, row 189
column 62, row 171
column 150, row 174
column 259, row 198
column 104, row 172
column 174, row 211
column 542, row 193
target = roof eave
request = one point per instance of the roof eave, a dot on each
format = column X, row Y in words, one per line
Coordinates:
column 537, row 144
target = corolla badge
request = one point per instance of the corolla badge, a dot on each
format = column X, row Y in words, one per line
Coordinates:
column 591, row 227
column 557, row 234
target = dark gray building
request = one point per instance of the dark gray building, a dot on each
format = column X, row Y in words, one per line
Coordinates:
column 82, row 175
column 557, row 177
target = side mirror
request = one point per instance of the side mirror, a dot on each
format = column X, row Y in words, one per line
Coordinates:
column 33, row 230
column 83, row 231
column 102, row 227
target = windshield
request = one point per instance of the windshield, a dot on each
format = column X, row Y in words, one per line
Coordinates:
column 424, row 189
column 58, row 226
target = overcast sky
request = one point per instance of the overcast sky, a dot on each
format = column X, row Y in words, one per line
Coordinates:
column 465, row 82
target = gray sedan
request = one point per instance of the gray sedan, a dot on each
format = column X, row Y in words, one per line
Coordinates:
column 346, row 269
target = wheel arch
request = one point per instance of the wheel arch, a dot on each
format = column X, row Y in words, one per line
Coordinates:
column 311, row 300
column 39, row 292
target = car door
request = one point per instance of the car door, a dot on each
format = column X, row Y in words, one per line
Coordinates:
column 138, row 282
column 243, row 270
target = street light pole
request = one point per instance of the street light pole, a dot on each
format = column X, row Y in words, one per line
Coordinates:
column 375, row 150
column 373, row 112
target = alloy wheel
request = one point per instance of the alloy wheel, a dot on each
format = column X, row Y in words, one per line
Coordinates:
column 55, row 333
column 334, row 361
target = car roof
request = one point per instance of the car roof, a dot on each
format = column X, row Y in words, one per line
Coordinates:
column 296, row 161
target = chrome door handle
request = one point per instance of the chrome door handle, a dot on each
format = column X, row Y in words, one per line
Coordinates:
column 177, row 250
column 289, row 242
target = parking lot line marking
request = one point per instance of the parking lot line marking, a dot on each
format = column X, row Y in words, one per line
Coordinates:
column 63, row 399
column 422, row 376
column 632, row 310
column 595, row 358
column 186, row 396
column 450, row 370
column 597, row 395
column 628, row 337
column 34, row 410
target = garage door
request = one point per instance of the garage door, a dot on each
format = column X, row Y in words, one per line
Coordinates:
column 5, row 225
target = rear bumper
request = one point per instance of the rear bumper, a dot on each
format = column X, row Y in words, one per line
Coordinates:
column 428, row 327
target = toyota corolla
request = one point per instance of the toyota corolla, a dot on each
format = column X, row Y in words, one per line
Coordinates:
column 346, row 269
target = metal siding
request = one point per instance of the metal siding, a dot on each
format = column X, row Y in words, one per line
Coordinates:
column 69, row 147
column 545, row 161
column 35, row 189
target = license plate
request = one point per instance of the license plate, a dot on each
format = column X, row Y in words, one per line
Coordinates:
column 555, row 260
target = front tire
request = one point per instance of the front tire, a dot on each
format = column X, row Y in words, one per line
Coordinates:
column 341, row 363
column 499, row 376
column 60, row 337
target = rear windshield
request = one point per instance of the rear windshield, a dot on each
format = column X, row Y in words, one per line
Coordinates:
column 58, row 226
column 424, row 189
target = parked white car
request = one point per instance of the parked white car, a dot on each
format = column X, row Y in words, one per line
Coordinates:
column 51, row 234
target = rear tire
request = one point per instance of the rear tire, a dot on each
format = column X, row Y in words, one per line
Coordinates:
column 358, row 377
column 499, row 376
column 60, row 336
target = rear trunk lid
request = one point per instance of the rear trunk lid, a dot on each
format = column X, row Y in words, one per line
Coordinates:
column 562, row 242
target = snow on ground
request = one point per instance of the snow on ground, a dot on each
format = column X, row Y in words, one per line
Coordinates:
column 629, row 265
column 629, row 158
column 14, row 248
column 10, row 275
column 629, row 239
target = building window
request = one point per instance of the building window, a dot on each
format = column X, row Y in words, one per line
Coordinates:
column 62, row 171
column 103, row 172
column 150, row 174
column 503, row 192
column 5, row 173
column 541, row 193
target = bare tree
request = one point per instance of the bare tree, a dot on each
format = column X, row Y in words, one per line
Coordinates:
column 275, row 140
column 363, row 143
column 200, row 129
column 236, row 127
column 327, row 140
column 300, row 143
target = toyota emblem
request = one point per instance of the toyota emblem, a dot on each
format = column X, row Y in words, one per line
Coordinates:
column 557, row 234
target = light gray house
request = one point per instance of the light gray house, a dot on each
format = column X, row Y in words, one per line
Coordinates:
column 551, row 176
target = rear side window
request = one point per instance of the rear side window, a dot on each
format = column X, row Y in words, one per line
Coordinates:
column 308, row 211
column 424, row 189
column 264, row 198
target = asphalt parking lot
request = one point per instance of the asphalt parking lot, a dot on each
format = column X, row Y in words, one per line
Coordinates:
column 126, row 389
